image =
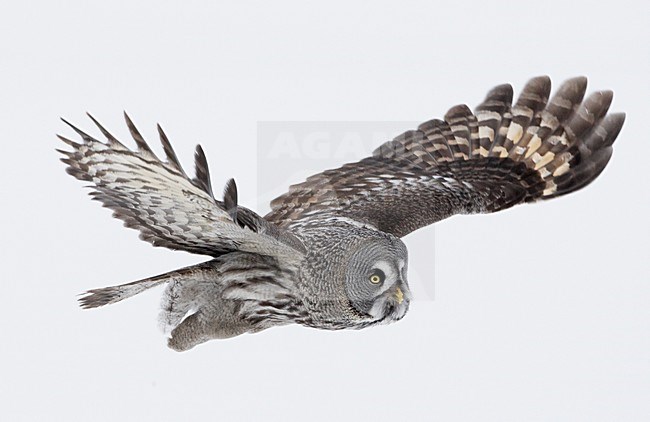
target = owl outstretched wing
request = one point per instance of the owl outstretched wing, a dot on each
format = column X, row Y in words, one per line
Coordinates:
column 169, row 208
column 499, row 156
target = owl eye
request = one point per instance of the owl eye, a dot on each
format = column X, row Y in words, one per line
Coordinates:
column 377, row 276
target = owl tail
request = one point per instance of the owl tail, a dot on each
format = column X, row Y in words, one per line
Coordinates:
column 107, row 295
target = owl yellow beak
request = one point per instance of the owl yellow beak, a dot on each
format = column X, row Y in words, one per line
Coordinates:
column 399, row 295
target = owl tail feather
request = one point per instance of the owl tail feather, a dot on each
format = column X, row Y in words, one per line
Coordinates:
column 107, row 295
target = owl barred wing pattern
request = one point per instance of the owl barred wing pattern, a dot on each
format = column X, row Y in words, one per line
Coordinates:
column 486, row 161
column 168, row 208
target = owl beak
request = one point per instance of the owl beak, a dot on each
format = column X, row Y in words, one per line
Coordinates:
column 399, row 295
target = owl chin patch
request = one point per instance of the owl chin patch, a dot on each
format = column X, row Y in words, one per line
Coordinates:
column 391, row 306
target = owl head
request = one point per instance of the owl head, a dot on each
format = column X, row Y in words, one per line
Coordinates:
column 375, row 279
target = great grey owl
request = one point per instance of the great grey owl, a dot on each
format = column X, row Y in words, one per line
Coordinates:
column 329, row 253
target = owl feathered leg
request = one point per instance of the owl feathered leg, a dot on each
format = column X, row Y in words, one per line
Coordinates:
column 214, row 318
column 194, row 311
column 241, row 293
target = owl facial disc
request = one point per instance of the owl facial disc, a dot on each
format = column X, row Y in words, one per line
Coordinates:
column 376, row 281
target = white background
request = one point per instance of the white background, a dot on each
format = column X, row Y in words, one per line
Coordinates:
column 541, row 312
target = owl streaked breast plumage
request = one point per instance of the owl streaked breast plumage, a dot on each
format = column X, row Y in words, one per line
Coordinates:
column 329, row 253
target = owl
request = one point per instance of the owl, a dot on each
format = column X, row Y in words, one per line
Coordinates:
column 329, row 253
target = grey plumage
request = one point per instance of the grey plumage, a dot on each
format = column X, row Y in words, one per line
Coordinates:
column 329, row 253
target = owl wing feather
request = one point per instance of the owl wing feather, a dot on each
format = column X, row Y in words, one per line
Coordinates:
column 499, row 156
column 169, row 209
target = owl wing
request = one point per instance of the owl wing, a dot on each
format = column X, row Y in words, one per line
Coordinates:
column 167, row 207
column 499, row 156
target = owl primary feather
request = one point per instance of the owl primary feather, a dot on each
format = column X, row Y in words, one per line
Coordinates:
column 329, row 253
